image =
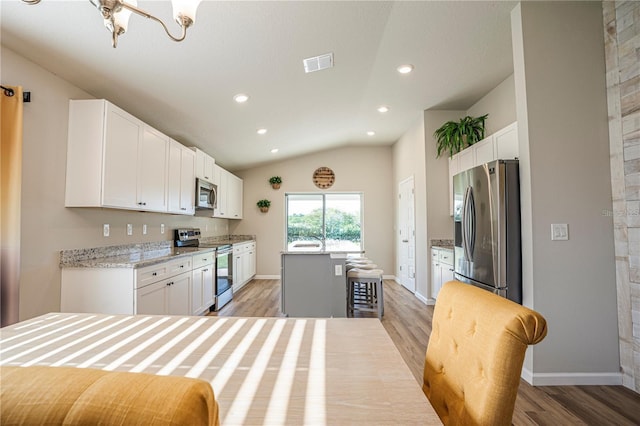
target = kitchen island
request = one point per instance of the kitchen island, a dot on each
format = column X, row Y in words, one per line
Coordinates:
column 313, row 284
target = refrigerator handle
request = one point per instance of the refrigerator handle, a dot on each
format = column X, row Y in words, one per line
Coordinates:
column 471, row 237
column 464, row 227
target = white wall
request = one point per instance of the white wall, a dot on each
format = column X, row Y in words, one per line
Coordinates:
column 357, row 169
column 408, row 161
column 47, row 226
column 500, row 104
column 563, row 133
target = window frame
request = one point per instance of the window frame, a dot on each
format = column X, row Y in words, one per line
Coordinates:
column 323, row 196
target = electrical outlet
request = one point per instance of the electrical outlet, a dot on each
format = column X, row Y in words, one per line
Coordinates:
column 338, row 270
column 105, row 230
column 162, row 228
column 144, row 229
column 129, row 229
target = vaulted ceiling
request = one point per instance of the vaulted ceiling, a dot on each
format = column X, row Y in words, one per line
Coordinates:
column 459, row 50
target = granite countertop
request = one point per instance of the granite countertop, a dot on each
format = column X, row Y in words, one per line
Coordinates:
column 443, row 244
column 139, row 255
column 135, row 260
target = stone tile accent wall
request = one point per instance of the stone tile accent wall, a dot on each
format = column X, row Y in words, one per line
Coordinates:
column 622, row 48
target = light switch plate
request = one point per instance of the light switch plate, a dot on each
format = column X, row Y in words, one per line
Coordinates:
column 105, row 230
column 559, row 231
column 162, row 228
column 144, row 229
column 129, row 229
column 338, row 270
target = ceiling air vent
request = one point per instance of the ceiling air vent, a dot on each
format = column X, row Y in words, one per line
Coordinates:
column 318, row 63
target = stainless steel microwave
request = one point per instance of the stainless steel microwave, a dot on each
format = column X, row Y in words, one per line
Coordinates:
column 206, row 195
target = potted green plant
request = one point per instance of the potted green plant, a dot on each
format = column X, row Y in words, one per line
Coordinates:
column 264, row 205
column 454, row 136
column 275, row 182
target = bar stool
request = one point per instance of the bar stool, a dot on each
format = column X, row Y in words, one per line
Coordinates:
column 365, row 291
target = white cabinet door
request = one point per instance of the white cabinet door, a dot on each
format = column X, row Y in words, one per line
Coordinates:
column 453, row 170
column 222, row 182
column 484, row 151
column 181, row 182
column 466, row 159
column 252, row 261
column 506, row 142
column 122, row 135
column 234, row 196
column 179, row 295
column 436, row 280
column 208, row 287
column 152, row 170
column 152, row 299
column 187, row 182
column 204, row 165
column 238, row 270
column 202, row 290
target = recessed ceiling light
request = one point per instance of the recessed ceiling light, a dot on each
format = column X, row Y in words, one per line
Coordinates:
column 371, row 133
column 261, row 131
column 274, row 150
column 383, row 108
column 405, row 69
column 241, row 98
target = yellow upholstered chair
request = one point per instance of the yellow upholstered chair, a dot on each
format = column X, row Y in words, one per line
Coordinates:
column 475, row 355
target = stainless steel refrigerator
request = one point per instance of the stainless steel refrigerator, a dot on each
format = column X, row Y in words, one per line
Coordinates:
column 487, row 248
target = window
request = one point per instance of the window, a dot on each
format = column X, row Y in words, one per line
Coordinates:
column 324, row 221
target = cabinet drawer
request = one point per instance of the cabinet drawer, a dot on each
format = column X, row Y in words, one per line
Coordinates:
column 179, row 266
column 155, row 273
column 446, row 256
column 243, row 247
column 203, row 259
column 151, row 274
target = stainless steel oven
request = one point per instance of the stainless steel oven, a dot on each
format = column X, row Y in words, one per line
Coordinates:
column 224, row 275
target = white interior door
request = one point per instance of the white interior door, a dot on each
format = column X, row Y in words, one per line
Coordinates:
column 406, row 235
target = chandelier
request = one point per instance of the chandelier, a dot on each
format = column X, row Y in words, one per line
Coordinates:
column 116, row 15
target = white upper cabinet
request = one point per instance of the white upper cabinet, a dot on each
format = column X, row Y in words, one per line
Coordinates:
column 220, row 179
column 122, row 132
column 229, row 196
column 234, row 196
column 115, row 160
column 204, row 165
column 506, row 142
column 153, row 152
column 484, row 151
column 181, row 189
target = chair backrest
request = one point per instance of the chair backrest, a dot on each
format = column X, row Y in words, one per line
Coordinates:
column 475, row 354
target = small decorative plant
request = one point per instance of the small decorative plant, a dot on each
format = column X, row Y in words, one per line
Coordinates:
column 454, row 136
column 275, row 182
column 263, row 205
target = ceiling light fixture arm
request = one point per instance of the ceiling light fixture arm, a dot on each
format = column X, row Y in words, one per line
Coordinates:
column 185, row 21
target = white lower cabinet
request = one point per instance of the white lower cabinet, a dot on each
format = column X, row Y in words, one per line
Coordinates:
column 162, row 289
column 244, row 264
column 202, row 286
column 441, row 269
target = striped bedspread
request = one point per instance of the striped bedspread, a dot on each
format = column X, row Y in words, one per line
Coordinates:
column 264, row 371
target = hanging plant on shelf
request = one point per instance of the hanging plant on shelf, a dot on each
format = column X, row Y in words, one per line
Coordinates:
column 263, row 205
column 454, row 136
column 275, row 182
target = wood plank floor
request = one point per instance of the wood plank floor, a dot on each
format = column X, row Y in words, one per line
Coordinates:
column 408, row 322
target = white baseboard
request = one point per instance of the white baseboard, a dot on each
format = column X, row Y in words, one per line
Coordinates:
column 421, row 298
column 267, row 277
column 571, row 379
column 389, row 277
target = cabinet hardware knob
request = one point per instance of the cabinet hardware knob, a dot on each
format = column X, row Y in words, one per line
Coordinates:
column 182, row 266
column 204, row 270
column 154, row 274
column 183, row 208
